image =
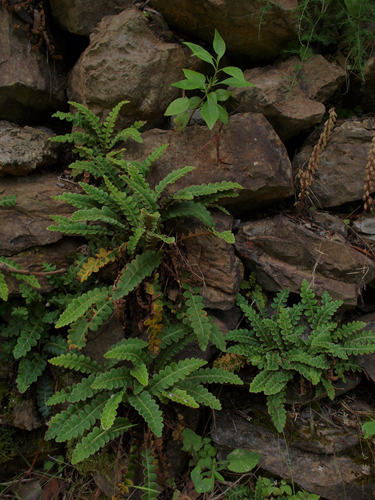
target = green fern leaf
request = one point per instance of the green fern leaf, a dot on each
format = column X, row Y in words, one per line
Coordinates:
column 78, row 228
column 144, row 166
column 74, row 362
column 171, row 178
column 44, row 392
column 127, row 133
column 77, row 200
column 130, row 349
column 29, row 370
column 227, row 236
column 96, row 214
column 149, row 410
column 180, row 396
column 82, row 390
column 99, row 197
column 275, row 404
column 102, row 311
column 188, row 209
column 110, row 410
column 150, row 487
column 8, row 201
column 3, row 288
column 77, row 334
column 308, row 300
column 136, row 271
column 90, row 118
column 327, row 384
column 197, row 318
column 279, row 302
column 113, row 379
column 260, row 328
column 174, row 372
column 82, row 419
column 217, row 337
column 59, row 397
column 57, row 422
column 200, row 394
column 273, row 360
column 99, row 438
column 213, row 376
column 109, row 125
column 243, row 336
column 192, row 192
column 80, row 305
column 29, row 338
column 270, row 382
column 126, row 203
column 325, row 313
column 140, row 372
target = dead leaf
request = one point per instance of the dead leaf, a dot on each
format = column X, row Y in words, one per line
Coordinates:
column 51, row 489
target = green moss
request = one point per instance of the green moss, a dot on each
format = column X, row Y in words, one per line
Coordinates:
column 101, row 462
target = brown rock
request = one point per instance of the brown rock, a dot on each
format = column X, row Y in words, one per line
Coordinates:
column 340, row 176
column 25, row 224
column 251, row 152
column 285, row 252
column 331, row 476
column 290, row 94
column 30, row 87
column 81, row 16
column 23, row 149
column 214, row 263
column 237, row 22
column 126, row 61
column 25, row 416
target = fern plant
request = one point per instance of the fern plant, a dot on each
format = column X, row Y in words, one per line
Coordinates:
column 279, row 348
column 143, row 383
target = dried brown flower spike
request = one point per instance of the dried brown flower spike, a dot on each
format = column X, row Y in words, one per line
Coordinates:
column 306, row 178
column 369, row 183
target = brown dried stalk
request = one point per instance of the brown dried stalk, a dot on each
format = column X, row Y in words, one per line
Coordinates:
column 369, row 183
column 307, row 177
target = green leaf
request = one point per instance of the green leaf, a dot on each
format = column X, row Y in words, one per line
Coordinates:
column 210, row 113
column 177, row 106
column 202, row 484
column 223, row 115
column 369, row 428
column 219, row 45
column 3, row 288
column 242, row 461
column 222, row 95
column 110, row 410
column 29, row 370
column 194, row 80
column 149, row 410
column 237, row 80
column 200, row 52
column 136, row 271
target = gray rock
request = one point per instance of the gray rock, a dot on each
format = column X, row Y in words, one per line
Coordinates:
column 237, row 22
column 284, row 252
column 23, row 149
column 127, row 61
column 290, row 96
column 30, row 86
column 252, row 155
column 334, row 477
column 340, row 176
column 25, row 224
column 81, row 16
column 25, row 416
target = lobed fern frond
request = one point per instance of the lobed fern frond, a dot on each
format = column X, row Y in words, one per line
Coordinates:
column 3, row 288
column 113, row 379
column 171, row 178
column 29, row 370
column 188, row 209
column 276, row 409
column 197, row 318
column 110, row 409
column 29, row 337
column 44, row 392
column 150, row 487
column 8, row 201
column 76, row 362
column 147, row 407
column 168, row 376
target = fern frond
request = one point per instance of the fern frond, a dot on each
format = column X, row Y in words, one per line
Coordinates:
column 200, row 394
column 174, row 372
column 308, row 300
column 77, row 334
column 136, row 271
column 197, row 318
column 348, row 330
column 171, row 178
column 44, row 392
column 13, row 267
column 82, row 390
column 99, row 196
column 142, row 194
column 113, row 379
column 109, row 125
column 188, row 209
column 79, row 306
column 270, row 382
column 99, row 438
column 260, row 329
column 29, row 338
column 78, row 228
column 127, row 133
column 275, row 405
column 227, row 236
column 213, row 376
column 59, row 397
column 96, row 214
column 56, row 345
column 77, row 200
column 147, row 407
column 89, row 118
column 279, row 302
column 79, row 363
column 29, row 370
column 3, row 288
column 8, row 201
column 192, row 192
column 130, row 349
column 325, row 313
column 144, row 166
column 150, row 487
column 110, row 410
column 180, row 396
column 126, row 202
column 93, row 264
column 101, row 313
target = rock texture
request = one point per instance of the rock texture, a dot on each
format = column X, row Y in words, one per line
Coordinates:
column 23, row 149
column 290, row 94
column 30, row 88
column 251, row 153
column 214, row 264
column 81, row 16
column 340, row 176
column 25, row 224
column 127, row 61
column 245, row 29
column 284, row 252
column 334, row 477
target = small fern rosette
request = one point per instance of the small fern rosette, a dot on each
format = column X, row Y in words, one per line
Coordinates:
column 277, row 346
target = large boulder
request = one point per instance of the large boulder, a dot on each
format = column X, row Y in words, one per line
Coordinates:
column 290, row 93
column 127, row 61
column 247, row 28
column 284, row 252
column 31, row 88
column 250, row 151
column 25, row 224
column 340, row 176
column 23, row 149
column 81, row 16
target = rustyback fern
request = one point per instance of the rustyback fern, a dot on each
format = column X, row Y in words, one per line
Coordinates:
column 276, row 346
